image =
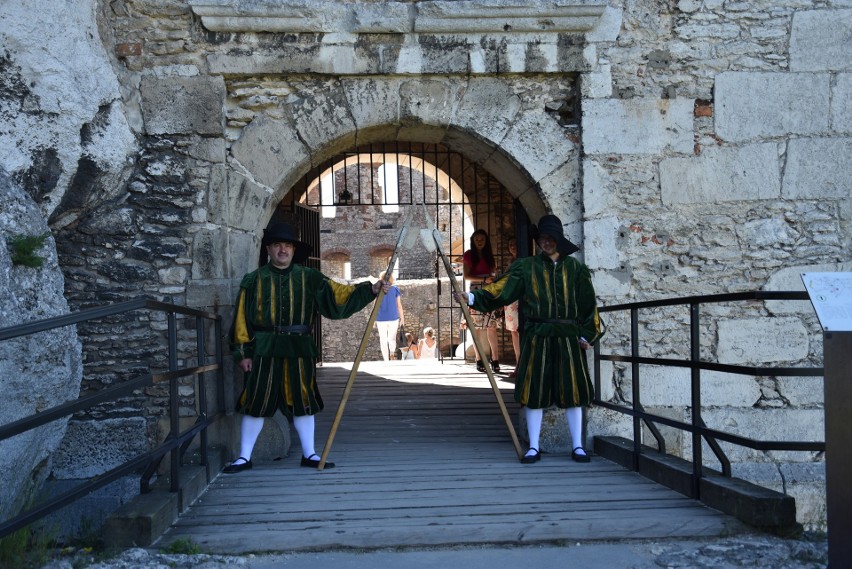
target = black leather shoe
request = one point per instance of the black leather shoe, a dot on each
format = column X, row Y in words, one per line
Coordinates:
column 495, row 365
column 529, row 459
column 234, row 467
column 580, row 457
column 480, row 366
column 310, row 462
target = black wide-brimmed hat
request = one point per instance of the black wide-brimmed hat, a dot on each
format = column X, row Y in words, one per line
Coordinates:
column 552, row 226
column 279, row 232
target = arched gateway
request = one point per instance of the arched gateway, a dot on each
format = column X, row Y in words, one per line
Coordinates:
column 502, row 126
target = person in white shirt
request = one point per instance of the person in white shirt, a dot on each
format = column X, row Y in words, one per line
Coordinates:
column 428, row 345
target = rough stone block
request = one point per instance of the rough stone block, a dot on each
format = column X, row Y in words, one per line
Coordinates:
column 338, row 55
column 321, row 117
column 183, row 105
column 806, row 483
column 244, row 251
column 607, row 391
column 237, row 202
column 607, row 27
column 663, row 386
column 600, row 243
column 206, row 294
column 374, row 104
column 267, row 149
column 804, row 391
column 208, row 149
column 722, row 174
column 637, row 126
column 605, row 422
column 820, row 40
column 841, row 110
column 488, row 93
column 562, row 182
column 597, row 84
column 611, row 284
column 274, row 441
column 208, row 260
column 430, row 102
column 289, row 58
column 539, row 139
column 768, row 425
column 755, row 105
column 217, row 196
column 758, row 341
column 818, row 168
column 91, row 448
column 772, row 232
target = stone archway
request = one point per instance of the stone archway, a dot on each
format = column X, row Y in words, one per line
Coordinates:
column 502, row 124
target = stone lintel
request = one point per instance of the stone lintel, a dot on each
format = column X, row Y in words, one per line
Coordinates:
column 466, row 16
column 470, row 54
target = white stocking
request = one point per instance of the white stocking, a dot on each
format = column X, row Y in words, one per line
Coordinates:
column 305, row 427
column 574, row 418
column 249, row 431
column 534, row 417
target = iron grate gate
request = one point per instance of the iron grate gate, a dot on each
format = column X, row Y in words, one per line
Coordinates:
column 457, row 193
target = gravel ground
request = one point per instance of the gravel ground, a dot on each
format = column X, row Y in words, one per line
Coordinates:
column 751, row 551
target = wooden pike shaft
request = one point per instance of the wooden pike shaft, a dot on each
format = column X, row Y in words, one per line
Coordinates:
column 470, row 326
column 362, row 348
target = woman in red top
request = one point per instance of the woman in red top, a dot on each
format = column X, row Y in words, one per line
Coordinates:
column 480, row 269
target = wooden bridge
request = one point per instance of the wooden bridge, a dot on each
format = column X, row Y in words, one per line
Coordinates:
column 424, row 459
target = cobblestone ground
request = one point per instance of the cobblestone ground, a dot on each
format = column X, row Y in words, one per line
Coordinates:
column 753, row 551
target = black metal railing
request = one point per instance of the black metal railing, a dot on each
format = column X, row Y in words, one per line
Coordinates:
column 697, row 427
column 175, row 444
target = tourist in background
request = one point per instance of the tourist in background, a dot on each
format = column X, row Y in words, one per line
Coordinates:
column 389, row 318
column 428, row 345
column 561, row 321
column 479, row 268
column 272, row 342
column 410, row 351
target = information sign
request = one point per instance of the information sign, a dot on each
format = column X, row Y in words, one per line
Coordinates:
column 831, row 295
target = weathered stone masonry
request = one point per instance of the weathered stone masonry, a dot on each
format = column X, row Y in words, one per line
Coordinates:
column 711, row 154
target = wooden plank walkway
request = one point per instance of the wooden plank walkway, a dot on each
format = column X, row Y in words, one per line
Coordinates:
column 424, row 459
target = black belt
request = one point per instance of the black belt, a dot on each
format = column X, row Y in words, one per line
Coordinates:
column 552, row 321
column 295, row 329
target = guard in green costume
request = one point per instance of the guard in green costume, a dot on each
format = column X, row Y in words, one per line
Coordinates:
column 561, row 321
column 272, row 342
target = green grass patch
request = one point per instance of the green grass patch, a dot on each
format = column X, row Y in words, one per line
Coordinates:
column 183, row 546
column 24, row 247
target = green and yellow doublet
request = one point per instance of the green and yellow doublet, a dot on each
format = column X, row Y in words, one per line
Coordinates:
column 273, row 315
column 559, row 307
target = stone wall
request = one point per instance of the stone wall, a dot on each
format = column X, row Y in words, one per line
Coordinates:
column 690, row 147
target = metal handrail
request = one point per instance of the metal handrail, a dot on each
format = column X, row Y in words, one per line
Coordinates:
column 175, row 443
column 697, row 427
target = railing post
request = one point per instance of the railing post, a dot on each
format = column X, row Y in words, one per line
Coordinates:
column 695, row 397
column 202, row 385
column 596, row 366
column 174, row 403
column 634, row 373
column 220, row 372
column 838, row 454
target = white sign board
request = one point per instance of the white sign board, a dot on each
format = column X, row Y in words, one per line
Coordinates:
column 831, row 295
